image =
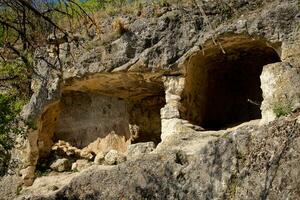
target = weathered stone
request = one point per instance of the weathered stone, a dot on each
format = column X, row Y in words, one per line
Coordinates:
column 135, row 150
column 61, row 165
column 9, row 186
column 99, row 159
column 175, row 126
column 84, row 153
column 280, row 83
column 114, row 157
column 291, row 50
column 230, row 166
column 111, row 141
column 87, row 109
column 28, row 175
column 32, row 149
column 153, row 55
column 170, row 113
column 81, row 164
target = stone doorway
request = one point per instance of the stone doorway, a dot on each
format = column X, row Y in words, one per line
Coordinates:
column 222, row 88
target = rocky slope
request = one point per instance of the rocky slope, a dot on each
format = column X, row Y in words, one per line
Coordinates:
column 250, row 162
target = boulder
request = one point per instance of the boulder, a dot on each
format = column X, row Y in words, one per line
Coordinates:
column 137, row 149
column 61, row 165
column 114, row 157
column 28, row 175
column 111, row 141
column 99, row 159
column 80, row 165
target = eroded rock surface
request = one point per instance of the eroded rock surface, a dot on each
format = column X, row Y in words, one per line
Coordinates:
column 250, row 162
column 280, row 83
column 157, row 81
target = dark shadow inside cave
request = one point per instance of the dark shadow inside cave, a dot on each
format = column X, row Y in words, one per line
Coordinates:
column 223, row 90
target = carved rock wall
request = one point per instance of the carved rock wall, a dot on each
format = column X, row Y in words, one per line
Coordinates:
column 87, row 116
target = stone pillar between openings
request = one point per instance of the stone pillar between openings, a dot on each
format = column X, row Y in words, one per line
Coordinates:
column 170, row 114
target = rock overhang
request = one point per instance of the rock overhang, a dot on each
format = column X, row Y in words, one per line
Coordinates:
column 126, row 85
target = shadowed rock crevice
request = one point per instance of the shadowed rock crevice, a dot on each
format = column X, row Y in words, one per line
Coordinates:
column 223, row 88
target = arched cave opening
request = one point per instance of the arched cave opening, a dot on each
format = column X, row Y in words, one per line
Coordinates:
column 104, row 112
column 223, row 89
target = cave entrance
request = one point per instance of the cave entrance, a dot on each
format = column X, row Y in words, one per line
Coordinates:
column 223, row 89
column 115, row 109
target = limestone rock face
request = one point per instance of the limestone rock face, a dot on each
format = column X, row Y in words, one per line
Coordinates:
column 9, row 185
column 159, row 82
column 159, row 44
column 280, row 83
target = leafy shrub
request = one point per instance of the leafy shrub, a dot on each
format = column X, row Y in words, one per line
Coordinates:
column 12, row 98
column 10, row 107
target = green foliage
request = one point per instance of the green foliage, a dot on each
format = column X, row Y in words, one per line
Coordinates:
column 1, row 36
column 14, row 68
column 92, row 6
column 282, row 108
column 9, row 108
column 19, row 189
column 12, row 99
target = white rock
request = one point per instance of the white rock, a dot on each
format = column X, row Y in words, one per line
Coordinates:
column 114, row 157
column 135, row 150
column 280, row 83
column 99, row 159
column 80, row 164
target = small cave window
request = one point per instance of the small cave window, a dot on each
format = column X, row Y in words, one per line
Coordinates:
column 223, row 90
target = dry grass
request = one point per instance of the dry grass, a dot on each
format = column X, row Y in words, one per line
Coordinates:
column 118, row 26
